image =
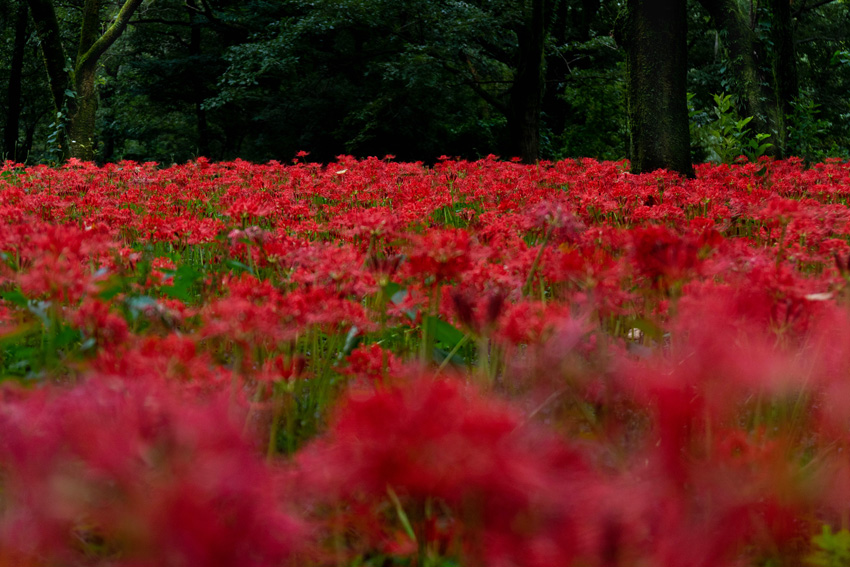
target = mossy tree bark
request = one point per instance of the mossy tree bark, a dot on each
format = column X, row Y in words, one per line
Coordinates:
column 784, row 67
column 13, row 110
column 73, row 86
column 763, row 61
column 653, row 33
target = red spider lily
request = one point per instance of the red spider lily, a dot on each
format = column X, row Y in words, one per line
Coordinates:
column 439, row 254
column 367, row 225
column 664, row 257
column 171, row 358
column 137, row 475
column 555, row 221
column 434, row 440
column 58, row 261
column 687, row 334
column 530, row 322
column 248, row 323
column 372, row 365
column 336, row 267
column 477, row 314
column 96, row 321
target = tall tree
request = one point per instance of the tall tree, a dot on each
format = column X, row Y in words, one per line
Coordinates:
column 784, row 67
column 13, row 111
column 526, row 94
column 654, row 35
column 459, row 72
column 198, row 87
column 759, row 45
column 73, row 86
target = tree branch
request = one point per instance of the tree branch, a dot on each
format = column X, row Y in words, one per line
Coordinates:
column 214, row 20
column 804, row 8
column 111, row 34
column 479, row 90
column 90, row 28
column 817, row 38
column 159, row 21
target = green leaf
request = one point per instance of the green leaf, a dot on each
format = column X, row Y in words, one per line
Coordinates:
column 238, row 266
column 66, row 336
column 111, row 287
column 184, row 278
column 16, row 297
column 443, row 357
column 743, row 122
column 18, row 333
column 402, row 515
column 445, row 332
column 834, row 548
column 391, row 289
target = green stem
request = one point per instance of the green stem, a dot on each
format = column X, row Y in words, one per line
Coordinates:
column 271, row 449
column 427, row 334
column 526, row 289
column 453, row 352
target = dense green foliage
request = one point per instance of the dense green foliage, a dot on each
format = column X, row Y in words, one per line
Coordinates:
column 264, row 79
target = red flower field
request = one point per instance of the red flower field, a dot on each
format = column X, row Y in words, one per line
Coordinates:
column 373, row 363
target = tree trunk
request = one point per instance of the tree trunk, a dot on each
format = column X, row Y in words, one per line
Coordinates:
column 766, row 76
column 81, row 128
column 746, row 60
column 13, row 114
column 527, row 88
column 77, row 109
column 784, row 66
column 654, row 34
column 47, row 28
column 198, row 86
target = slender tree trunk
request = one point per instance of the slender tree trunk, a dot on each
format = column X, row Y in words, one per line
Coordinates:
column 527, row 88
column 47, row 28
column 654, row 34
column 784, row 66
column 58, row 76
column 198, row 87
column 13, row 114
column 29, row 138
column 746, row 60
column 766, row 75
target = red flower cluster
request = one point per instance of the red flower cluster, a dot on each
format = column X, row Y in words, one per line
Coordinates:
column 380, row 363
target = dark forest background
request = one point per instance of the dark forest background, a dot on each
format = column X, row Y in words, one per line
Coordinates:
column 262, row 79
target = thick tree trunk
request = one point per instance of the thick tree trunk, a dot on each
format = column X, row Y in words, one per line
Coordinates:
column 653, row 32
column 13, row 113
column 527, row 89
column 77, row 109
column 81, row 128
